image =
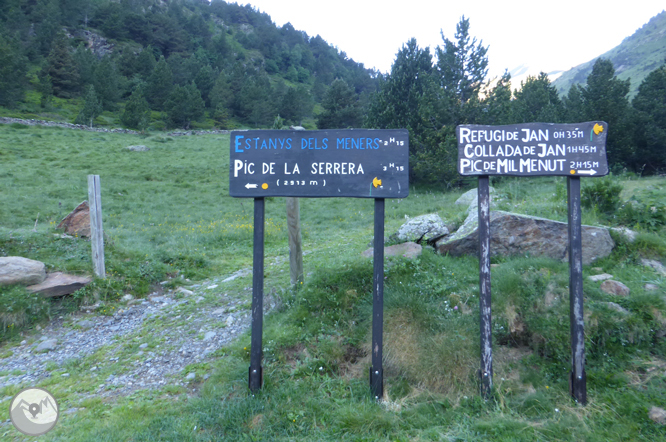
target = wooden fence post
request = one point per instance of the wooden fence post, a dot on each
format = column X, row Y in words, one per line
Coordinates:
column 96, row 230
column 295, row 241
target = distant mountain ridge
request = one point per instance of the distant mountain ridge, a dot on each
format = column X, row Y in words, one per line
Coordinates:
column 634, row 58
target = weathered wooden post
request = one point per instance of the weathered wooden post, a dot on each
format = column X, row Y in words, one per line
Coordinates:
column 485, row 316
column 96, row 230
column 295, row 241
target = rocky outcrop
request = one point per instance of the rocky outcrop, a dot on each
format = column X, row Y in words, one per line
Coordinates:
column 59, row 284
column 23, row 271
column 615, row 288
column 515, row 234
column 78, row 221
column 422, row 228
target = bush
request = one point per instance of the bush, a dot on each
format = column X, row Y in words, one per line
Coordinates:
column 602, row 194
column 648, row 212
column 19, row 309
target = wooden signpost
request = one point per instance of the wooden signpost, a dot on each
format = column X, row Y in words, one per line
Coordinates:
column 534, row 149
column 355, row 163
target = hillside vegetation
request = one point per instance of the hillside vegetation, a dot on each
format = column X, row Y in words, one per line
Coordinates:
column 168, row 218
column 634, row 58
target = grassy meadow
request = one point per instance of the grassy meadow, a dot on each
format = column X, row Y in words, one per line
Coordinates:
column 167, row 216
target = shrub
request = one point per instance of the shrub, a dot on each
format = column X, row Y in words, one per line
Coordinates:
column 602, row 194
column 19, row 309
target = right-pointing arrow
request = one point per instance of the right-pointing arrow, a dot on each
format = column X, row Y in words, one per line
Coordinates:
column 587, row 172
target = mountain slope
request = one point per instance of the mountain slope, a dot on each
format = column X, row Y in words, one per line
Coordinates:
column 634, row 58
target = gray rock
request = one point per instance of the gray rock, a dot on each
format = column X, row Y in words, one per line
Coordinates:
column 190, row 376
column 617, row 307
column 515, row 234
column 407, row 250
column 468, row 197
column 86, row 324
column 424, row 227
column 138, row 148
column 615, row 288
column 627, row 233
column 184, row 291
column 209, row 336
column 602, row 277
column 650, row 287
column 48, row 345
column 59, row 284
column 656, row 265
column 18, row 270
column 127, row 297
column 144, row 345
column 658, row 415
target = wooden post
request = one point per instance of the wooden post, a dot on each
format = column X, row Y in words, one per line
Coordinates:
column 256, row 374
column 578, row 378
column 295, row 241
column 96, row 230
column 376, row 370
column 486, row 372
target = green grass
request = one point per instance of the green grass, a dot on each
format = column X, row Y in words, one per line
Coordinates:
column 167, row 213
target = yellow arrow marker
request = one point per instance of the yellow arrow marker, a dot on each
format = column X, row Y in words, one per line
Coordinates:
column 376, row 182
column 598, row 128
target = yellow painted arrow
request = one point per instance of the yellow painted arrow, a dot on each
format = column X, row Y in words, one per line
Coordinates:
column 376, row 182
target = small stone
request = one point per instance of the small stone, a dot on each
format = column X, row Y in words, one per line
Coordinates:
column 127, row 297
column 230, row 320
column 218, row 312
column 64, row 375
column 72, row 410
column 615, row 288
column 23, row 342
column 650, row 287
column 617, row 307
column 86, row 324
column 199, row 299
column 138, row 148
column 93, row 368
column 48, row 345
column 658, row 415
column 655, row 265
column 602, row 277
column 211, row 287
column 184, row 291
column 144, row 345
column 209, row 335
column 190, row 376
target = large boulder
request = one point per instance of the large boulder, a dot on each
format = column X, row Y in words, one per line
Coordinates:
column 78, row 221
column 515, row 234
column 424, row 227
column 23, row 271
column 59, row 284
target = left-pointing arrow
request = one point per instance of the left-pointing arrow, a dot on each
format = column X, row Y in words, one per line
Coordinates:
column 250, row 186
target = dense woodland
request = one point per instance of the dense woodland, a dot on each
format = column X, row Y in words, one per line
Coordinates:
column 153, row 64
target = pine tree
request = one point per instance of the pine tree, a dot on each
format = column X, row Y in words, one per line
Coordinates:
column 537, row 101
column 650, row 104
column 463, row 64
column 92, row 107
column 605, row 98
column 341, row 108
column 137, row 112
column 184, row 106
column 62, row 69
column 106, row 79
column 160, row 84
column 13, row 69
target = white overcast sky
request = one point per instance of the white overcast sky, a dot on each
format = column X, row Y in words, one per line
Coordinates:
column 546, row 36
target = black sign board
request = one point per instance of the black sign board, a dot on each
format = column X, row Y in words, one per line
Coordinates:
column 324, row 163
column 533, row 149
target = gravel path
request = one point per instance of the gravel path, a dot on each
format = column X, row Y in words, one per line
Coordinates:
column 147, row 343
